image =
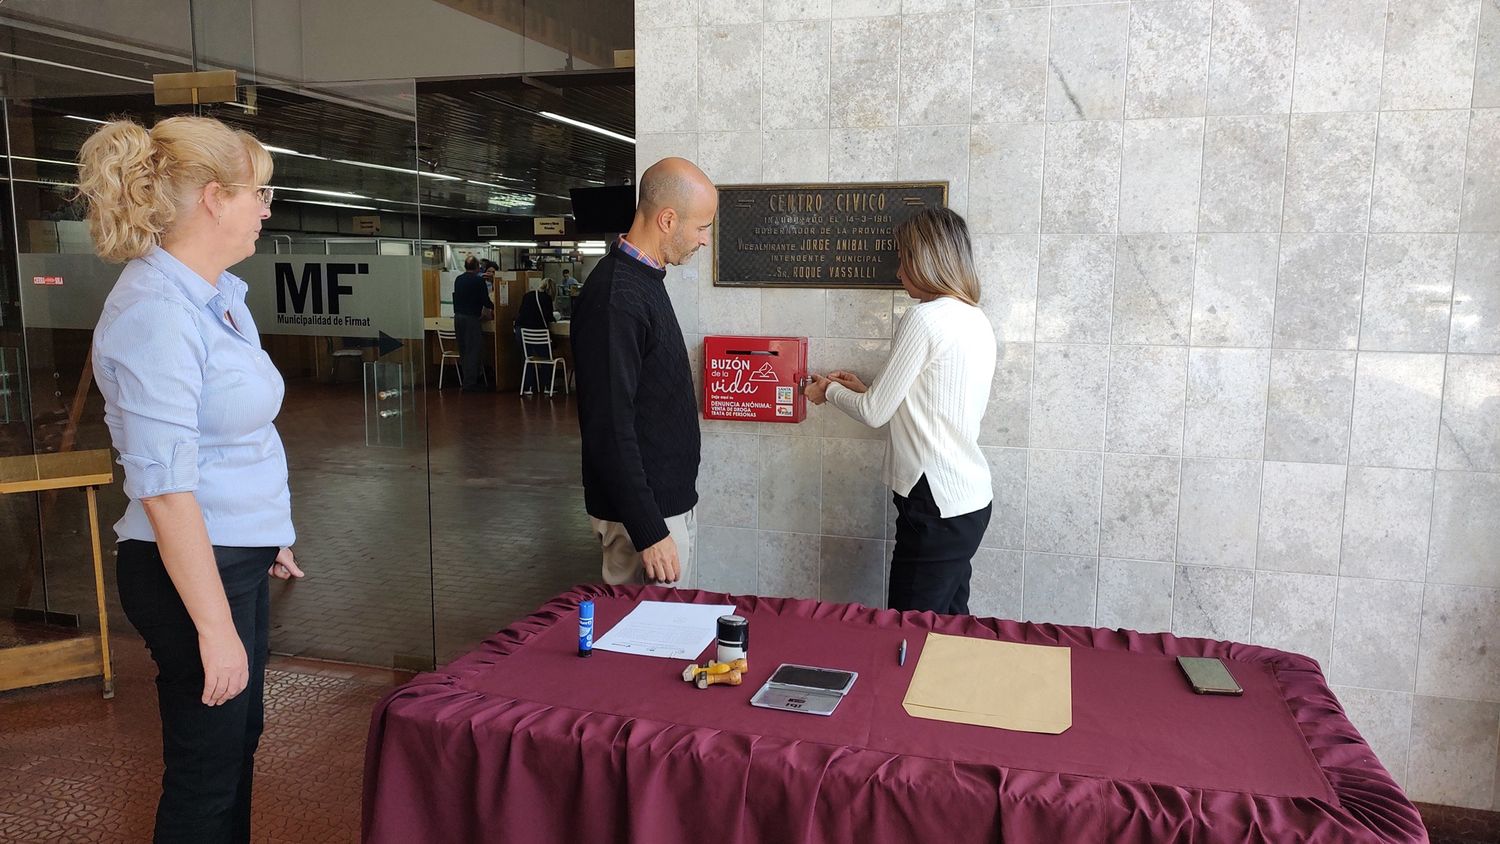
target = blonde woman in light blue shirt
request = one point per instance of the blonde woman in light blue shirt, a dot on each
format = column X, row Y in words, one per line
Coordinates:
column 189, row 398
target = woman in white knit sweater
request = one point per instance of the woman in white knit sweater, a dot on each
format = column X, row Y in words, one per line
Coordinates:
column 933, row 392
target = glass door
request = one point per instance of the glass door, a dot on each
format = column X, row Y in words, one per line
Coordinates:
column 337, row 290
column 337, row 293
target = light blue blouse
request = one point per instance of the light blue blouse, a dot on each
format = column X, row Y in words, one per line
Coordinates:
column 189, row 400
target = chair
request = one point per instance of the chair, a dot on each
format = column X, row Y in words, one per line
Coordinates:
column 444, row 356
column 538, row 345
column 344, row 363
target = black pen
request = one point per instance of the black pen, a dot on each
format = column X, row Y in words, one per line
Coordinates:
column 901, row 655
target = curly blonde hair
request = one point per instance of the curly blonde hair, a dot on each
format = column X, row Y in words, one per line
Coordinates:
column 138, row 182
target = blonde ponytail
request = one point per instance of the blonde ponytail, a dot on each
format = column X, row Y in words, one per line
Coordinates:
column 127, row 211
column 137, row 183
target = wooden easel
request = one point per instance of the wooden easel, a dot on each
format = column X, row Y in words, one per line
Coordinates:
column 79, row 656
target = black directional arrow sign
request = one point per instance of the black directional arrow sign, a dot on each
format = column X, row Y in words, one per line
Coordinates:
column 387, row 344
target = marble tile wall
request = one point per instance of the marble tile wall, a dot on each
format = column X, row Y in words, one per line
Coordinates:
column 1243, row 261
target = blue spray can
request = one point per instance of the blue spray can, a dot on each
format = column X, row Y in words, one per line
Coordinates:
column 586, row 628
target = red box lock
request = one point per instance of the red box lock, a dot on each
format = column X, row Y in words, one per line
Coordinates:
column 754, row 379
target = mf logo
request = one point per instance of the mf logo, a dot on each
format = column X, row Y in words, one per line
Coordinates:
column 317, row 279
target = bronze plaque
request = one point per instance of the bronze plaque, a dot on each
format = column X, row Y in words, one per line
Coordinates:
column 815, row 235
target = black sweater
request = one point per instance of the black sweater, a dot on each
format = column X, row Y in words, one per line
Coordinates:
column 470, row 295
column 636, row 407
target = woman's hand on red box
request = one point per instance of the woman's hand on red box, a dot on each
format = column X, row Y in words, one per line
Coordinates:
column 847, row 379
column 816, row 389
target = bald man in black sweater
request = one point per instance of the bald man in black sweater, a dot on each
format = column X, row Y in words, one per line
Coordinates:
column 636, row 407
column 471, row 297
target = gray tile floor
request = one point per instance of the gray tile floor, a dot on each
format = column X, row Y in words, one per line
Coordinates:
column 412, row 554
column 492, row 498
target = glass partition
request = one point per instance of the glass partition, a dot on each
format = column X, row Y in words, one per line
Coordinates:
column 54, row 290
column 331, row 311
column 342, row 319
column 378, row 199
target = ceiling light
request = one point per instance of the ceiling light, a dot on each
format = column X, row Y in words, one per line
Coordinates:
column 432, row 205
column 399, row 170
column 589, row 126
column 333, row 204
column 45, row 160
column 86, row 119
column 521, row 243
column 285, row 151
column 375, row 166
column 22, row 58
column 44, row 182
column 323, row 192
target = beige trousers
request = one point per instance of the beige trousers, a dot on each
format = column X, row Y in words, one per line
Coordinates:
column 622, row 563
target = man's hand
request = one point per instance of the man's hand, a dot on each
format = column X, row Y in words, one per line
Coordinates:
column 660, row 562
column 816, row 390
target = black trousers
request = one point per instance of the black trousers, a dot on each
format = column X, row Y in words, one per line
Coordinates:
column 470, row 333
column 931, row 565
column 209, row 751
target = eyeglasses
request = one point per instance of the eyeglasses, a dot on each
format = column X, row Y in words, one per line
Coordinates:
column 264, row 193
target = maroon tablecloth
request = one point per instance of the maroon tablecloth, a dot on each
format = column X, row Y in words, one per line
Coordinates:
column 521, row 740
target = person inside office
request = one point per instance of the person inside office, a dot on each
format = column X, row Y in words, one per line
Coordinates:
column 933, row 392
column 471, row 307
column 535, row 313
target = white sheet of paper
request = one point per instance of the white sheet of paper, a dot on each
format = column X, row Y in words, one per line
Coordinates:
column 666, row 629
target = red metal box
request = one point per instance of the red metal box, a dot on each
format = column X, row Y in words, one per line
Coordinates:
column 754, row 379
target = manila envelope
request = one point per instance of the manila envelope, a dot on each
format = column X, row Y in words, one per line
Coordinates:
column 993, row 684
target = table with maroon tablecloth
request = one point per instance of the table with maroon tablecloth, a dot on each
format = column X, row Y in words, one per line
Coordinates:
column 522, row 740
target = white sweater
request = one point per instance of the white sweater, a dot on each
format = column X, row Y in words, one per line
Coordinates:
column 933, row 391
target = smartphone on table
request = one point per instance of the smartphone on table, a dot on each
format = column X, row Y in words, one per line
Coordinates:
column 1209, row 676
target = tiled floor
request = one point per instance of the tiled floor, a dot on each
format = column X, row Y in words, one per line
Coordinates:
column 387, row 584
column 502, row 524
column 413, row 554
column 75, row 767
column 507, row 527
